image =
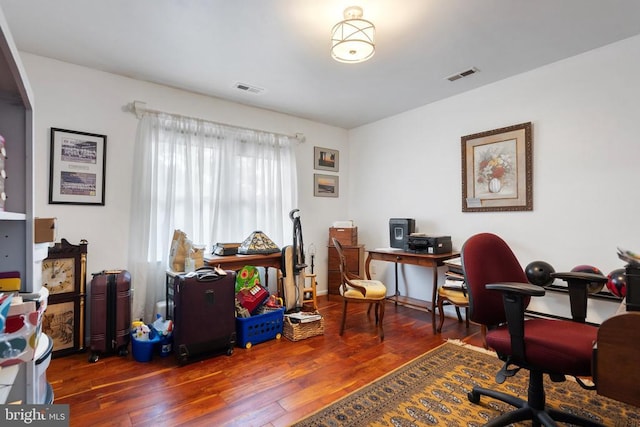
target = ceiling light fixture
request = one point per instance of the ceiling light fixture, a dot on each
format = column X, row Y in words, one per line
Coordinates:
column 352, row 40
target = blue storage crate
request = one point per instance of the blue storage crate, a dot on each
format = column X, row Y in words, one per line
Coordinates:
column 259, row 328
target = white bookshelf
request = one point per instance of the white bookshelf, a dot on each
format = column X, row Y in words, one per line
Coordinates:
column 16, row 125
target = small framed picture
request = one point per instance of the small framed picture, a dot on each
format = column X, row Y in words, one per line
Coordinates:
column 77, row 174
column 326, row 159
column 325, row 185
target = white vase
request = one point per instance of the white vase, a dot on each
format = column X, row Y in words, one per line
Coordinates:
column 495, row 185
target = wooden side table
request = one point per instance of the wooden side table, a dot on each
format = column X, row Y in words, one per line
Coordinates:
column 432, row 261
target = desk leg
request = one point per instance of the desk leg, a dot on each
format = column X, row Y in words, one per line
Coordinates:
column 397, row 294
column 434, row 296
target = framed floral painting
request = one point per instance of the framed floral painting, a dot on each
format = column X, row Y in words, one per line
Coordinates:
column 497, row 170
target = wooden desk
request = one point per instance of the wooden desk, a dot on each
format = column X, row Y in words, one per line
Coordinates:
column 236, row 262
column 617, row 373
column 432, row 261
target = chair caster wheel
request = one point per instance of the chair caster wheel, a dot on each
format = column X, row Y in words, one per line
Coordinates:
column 473, row 397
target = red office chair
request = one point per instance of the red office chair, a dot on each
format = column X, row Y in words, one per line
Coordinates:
column 498, row 295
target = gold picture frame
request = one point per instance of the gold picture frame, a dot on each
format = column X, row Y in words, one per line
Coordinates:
column 497, row 170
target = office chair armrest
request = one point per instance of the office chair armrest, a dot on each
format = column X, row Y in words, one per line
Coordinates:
column 579, row 276
column 518, row 288
column 577, row 283
column 513, row 296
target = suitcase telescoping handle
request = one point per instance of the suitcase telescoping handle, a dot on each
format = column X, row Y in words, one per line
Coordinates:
column 207, row 274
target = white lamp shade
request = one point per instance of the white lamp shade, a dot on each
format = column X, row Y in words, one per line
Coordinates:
column 352, row 40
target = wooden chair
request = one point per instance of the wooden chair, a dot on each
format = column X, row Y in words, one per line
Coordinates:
column 455, row 297
column 356, row 289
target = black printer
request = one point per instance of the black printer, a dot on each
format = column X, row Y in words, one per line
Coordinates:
column 421, row 243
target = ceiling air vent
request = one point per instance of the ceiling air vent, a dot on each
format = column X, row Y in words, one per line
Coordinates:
column 462, row 74
column 248, row 88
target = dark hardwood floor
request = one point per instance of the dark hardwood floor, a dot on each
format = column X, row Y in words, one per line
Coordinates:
column 274, row 383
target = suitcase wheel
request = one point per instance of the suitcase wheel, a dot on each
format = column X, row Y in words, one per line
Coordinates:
column 93, row 358
column 247, row 346
column 230, row 349
column 278, row 336
column 123, row 351
column 183, row 355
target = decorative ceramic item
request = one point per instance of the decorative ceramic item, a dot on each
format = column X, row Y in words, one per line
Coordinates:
column 495, row 185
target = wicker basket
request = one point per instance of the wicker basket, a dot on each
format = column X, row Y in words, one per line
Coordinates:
column 300, row 331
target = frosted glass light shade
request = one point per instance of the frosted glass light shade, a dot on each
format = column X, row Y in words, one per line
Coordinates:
column 353, row 40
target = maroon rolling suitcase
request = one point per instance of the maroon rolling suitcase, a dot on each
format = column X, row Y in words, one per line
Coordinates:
column 110, row 313
column 204, row 314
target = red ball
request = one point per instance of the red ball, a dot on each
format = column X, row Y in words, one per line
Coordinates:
column 593, row 287
column 617, row 283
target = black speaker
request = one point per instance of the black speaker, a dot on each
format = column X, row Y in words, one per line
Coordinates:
column 399, row 230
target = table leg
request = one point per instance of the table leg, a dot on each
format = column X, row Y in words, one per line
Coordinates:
column 397, row 291
column 434, row 295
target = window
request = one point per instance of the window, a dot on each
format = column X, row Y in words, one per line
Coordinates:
column 214, row 182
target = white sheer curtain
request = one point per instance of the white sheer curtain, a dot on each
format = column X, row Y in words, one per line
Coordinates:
column 216, row 183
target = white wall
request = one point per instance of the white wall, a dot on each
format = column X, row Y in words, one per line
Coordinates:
column 82, row 99
column 584, row 112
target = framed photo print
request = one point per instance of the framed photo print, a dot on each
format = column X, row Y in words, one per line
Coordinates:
column 77, row 172
column 497, row 170
column 326, row 159
column 325, row 185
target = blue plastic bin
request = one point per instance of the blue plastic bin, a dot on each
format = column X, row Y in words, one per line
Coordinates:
column 143, row 350
column 165, row 344
column 259, row 328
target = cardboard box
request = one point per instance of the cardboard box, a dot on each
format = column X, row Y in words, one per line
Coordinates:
column 348, row 236
column 44, row 230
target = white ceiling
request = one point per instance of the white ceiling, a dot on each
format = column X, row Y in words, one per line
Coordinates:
column 282, row 46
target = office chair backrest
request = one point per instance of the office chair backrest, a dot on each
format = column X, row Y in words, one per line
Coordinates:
column 486, row 258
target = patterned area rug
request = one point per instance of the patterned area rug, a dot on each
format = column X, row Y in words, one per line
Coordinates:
column 432, row 390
